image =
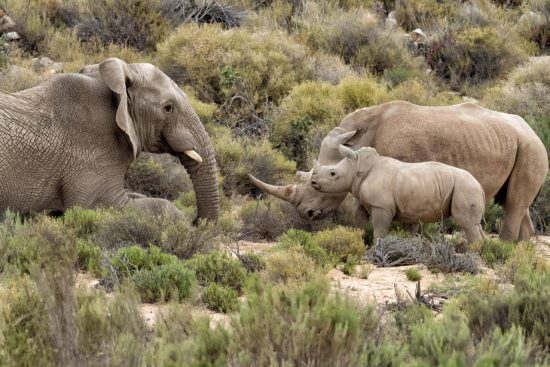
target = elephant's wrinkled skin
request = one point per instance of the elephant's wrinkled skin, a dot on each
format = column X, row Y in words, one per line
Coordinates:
column 411, row 193
column 70, row 140
column 500, row 150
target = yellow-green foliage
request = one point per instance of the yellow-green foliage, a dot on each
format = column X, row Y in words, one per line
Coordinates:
column 239, row 157
column 413, row 274
column 259, row 67
column 342, row 242
column 289, row 266
column 411, row 14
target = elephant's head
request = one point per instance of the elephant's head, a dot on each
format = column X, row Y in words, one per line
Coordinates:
column 157, row 117
column 310, row 203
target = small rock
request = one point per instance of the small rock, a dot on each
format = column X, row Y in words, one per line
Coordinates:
column 11, row 36
column 45, row 65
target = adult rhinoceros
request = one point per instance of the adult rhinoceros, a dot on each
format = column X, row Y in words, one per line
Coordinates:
column 500, row 150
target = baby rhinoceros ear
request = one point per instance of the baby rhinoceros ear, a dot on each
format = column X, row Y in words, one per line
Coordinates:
column 348, row 153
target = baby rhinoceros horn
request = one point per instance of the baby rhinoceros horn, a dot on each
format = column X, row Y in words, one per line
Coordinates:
column 347, row 152
column 286, row 193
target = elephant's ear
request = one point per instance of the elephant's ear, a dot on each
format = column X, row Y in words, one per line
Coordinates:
column 117, row 75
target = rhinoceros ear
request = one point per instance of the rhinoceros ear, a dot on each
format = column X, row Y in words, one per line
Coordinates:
column 348, row 153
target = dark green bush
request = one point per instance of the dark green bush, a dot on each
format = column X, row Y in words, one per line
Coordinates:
column 173, row 281
column 413, row 274
column 218, row 267
column 127, row 260
column 19, row 249
column 220, row 298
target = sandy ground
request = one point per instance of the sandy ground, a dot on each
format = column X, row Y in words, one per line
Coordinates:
column 382, row 286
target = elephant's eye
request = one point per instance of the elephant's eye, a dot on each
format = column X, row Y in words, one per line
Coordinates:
column 168, row 108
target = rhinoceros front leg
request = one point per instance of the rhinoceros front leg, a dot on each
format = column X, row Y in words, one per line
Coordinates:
column 381, row 221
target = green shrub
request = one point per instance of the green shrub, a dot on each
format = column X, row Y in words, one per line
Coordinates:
column 495, row 251
column 157, row 176
column 19, row 250
column 525, row 306
column 508, row 348
column 25, row 332
column 350, row 266
column 173, row 281
column 89, row 258
column 296, row 326
column 182, row 340
column 413, row 274
column 218, row 267
column 127, row 260
column 441, row 342
column 242, row 71
column 83, row 221
column 265, row 163
column 302, row 240
column 289, row 266
column 303, row 118
column 220, row 298
column 524, row 258
column 536, row 25
column 341, row 242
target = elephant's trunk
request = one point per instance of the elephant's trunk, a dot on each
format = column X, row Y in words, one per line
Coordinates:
column 203, row 174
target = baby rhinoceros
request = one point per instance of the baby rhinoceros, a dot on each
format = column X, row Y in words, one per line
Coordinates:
column 410, row 193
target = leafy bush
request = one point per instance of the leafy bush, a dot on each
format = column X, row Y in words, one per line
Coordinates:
column 440, row 343
column 472, row 55
column 290, row 266
column 173, row 281
column 495, row 251
column 158, row 176
column 218, row 267
column 293, row 326
column 89, row 258
column 182, row 340
column 19, row 250
column 128, row 260
column 413, row 274
column 243, row 72
column 524, row 258
column 342, row 242
column 184, row 240
column 303, row 241
column 83, row 221
column 359, row 40
column 524, row 306
column 220, row 298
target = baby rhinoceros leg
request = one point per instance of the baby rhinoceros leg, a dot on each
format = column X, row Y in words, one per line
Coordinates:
column 467, row 207
column 381, row 221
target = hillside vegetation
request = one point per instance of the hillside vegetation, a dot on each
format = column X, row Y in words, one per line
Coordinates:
column 269, row 79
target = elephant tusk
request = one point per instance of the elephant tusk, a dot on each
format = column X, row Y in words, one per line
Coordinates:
column 194, row 155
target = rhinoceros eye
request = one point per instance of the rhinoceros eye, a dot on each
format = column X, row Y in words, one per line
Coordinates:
column 332, row 173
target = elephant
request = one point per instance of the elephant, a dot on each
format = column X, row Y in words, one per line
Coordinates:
column 69, row 140
column 500, row 150
column 411, row 193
